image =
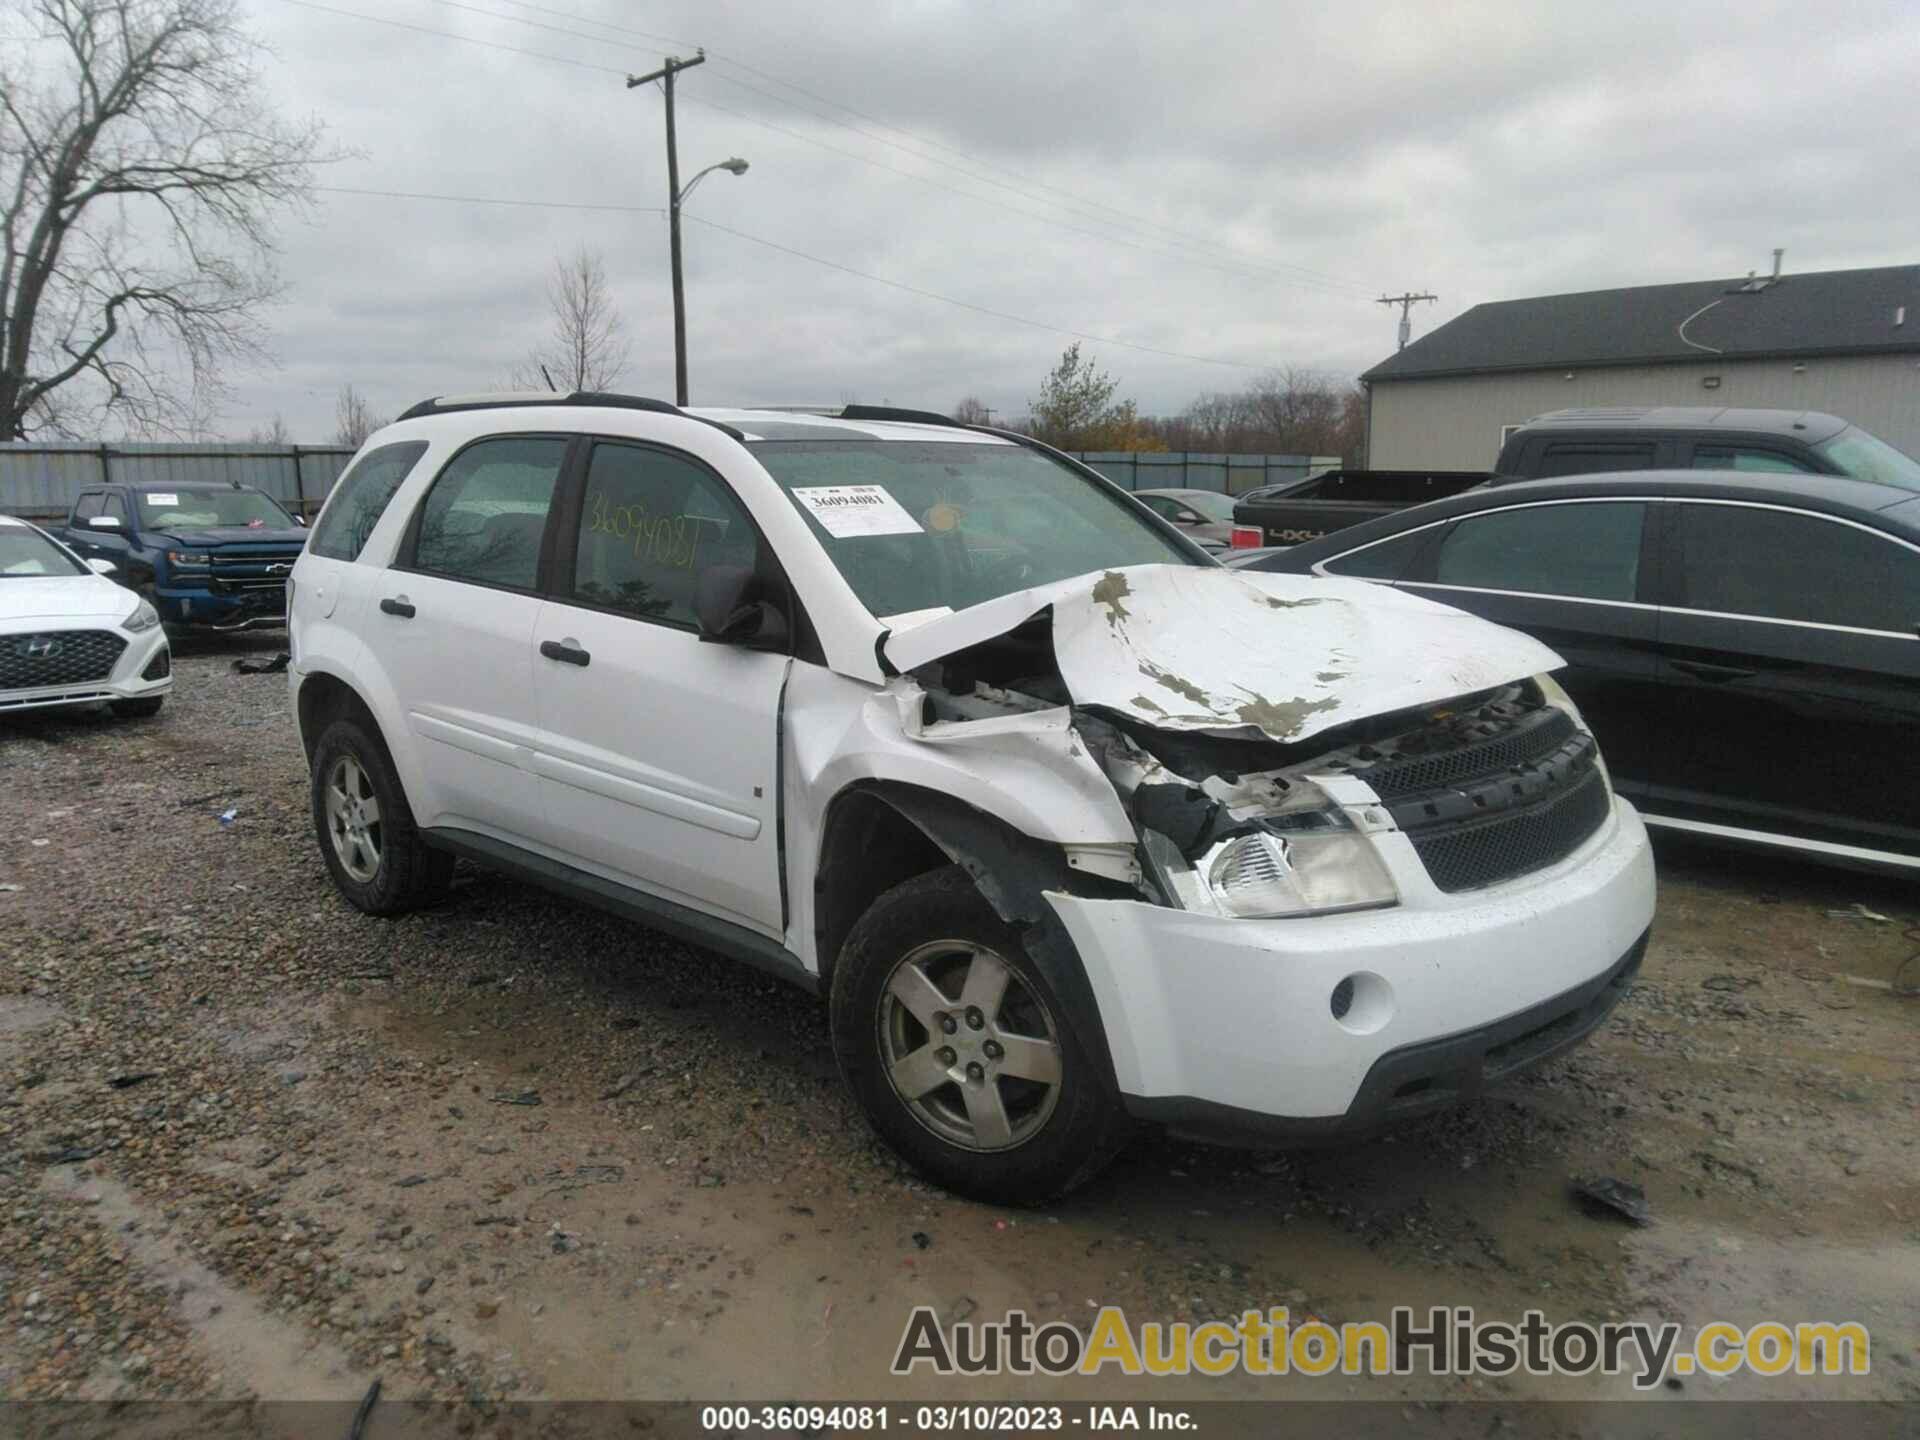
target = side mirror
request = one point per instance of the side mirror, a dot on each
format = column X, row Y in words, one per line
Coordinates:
column 103, row 522
column 730, row 607
column 102, row 567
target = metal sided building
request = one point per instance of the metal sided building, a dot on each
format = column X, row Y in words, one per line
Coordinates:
column 1842, row 341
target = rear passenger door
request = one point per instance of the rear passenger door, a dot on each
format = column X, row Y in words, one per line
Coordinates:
column 1790, row 675
column 1574, row 574
column 658, row 754
column 451, row 626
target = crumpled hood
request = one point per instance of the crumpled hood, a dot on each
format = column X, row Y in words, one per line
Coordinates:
column 54, row 597
column 1237, row 653
column 215, row 536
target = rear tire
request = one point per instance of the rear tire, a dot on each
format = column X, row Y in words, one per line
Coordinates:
column 968, row 1063
column 365, row 828
column 141, row 709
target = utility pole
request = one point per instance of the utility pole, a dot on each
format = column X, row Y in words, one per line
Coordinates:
column 1405, row 302
column 665, row 75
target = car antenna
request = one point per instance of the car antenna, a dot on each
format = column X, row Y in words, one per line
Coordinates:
column 549, row 379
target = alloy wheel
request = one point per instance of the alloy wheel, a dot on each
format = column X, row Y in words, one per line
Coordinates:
column 353, row 819
column 969, row 1046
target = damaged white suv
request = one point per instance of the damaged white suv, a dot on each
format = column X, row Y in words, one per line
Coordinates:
column 1075, row 828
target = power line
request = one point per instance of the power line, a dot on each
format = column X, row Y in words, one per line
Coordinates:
column 716, row 57
column 925, row 294
column 489, row 200
column 1001, row 204
column 969, row 305
column 1240, row 269
column 1236, row 264
column 451, row 35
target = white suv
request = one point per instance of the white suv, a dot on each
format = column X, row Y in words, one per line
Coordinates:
column 1074, row 827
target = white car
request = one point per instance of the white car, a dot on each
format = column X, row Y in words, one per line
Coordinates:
column 1075, row 828
column 69, row 635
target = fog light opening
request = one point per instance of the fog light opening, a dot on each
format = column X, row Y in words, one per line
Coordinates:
column 1362, row 1003
column 1342, row 1000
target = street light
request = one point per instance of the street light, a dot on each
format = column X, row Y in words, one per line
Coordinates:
column 734, row 165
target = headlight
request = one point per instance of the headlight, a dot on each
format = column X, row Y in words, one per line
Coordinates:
column 144, row 617
column 192, row 559
column 1304, row 873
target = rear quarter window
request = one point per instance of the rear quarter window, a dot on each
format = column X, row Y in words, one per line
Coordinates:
column 361, row 497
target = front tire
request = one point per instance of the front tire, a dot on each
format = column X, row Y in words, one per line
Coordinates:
column 968, row 1062
column 366, row 832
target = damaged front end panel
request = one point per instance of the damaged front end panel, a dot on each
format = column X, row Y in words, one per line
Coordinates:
column 1269, row 810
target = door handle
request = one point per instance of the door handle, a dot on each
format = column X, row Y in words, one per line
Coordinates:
column 402, row 607
column 565, row 652
column 1712, row 674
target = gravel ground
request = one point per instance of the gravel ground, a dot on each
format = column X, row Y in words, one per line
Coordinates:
column 253, row 1143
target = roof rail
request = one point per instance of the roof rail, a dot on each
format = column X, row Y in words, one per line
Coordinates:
column 590, row 399
column 904, row 417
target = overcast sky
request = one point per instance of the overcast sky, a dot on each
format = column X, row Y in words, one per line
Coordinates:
column 1231, row 182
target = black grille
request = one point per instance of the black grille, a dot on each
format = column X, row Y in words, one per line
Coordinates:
column 160, row 666
column 252, row 572
column 1476, row 853
column 1535, row 737
column 57, row 657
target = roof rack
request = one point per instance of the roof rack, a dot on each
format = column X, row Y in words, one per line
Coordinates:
column 585, row 399
column 904, row 417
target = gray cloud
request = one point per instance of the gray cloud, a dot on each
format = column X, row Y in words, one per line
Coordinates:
column 1481, row 151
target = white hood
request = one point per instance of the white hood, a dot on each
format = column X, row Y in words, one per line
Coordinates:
column 1236, row 653
column 63, row 597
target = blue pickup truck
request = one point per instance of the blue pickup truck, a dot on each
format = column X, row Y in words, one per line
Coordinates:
column 211, row 557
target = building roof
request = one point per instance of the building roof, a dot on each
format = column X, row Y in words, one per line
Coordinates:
column 1833, row 312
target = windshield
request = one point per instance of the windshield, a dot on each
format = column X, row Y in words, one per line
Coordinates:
column 916, row 525
column 211, row 510
column 1868, row 457
column 28, row 553
column 1216, row 507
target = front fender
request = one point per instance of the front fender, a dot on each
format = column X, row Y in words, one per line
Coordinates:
column 1035, row 780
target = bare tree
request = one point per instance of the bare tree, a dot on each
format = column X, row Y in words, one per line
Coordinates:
column 972, row 411
column 274, row 434
column 353, row 418
column 139, row 170
column 1291, row 410
column 587, row 348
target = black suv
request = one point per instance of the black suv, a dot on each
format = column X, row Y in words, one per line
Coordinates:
column 1680, row 437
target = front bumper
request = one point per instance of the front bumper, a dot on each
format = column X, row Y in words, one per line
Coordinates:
column 1227, row 1028
column 145, row 652
column 207, row 609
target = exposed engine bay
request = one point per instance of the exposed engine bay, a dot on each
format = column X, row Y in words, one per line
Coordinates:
column 1239, row 825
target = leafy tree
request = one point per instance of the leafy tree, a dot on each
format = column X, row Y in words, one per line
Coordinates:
column 1075, row 409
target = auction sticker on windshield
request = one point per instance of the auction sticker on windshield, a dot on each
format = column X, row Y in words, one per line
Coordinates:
column 848, row 510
